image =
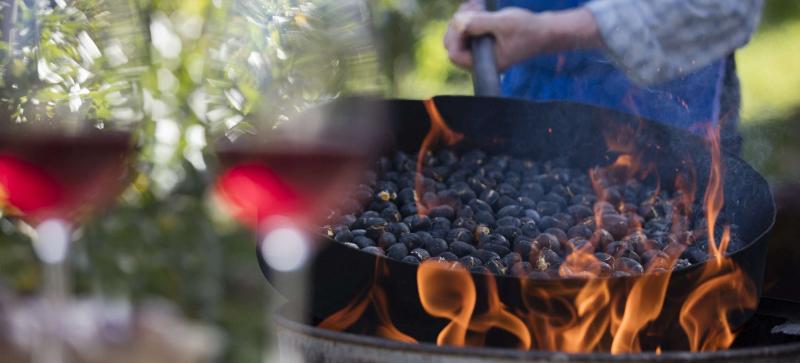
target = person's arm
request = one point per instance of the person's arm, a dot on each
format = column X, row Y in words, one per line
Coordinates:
column 654, row 41
column 520, row 33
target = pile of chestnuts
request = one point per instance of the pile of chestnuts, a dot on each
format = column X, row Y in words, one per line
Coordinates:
column 518, row 217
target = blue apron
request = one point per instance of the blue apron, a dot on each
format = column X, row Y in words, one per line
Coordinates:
column 590, row 77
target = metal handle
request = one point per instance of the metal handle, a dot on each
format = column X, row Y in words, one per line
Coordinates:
column 485, row 78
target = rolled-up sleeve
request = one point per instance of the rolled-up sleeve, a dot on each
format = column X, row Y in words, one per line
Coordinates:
column 657, row 40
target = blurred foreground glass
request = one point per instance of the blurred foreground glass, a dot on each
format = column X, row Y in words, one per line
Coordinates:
column 273, row 62
column 70, row 106
column 284, row 161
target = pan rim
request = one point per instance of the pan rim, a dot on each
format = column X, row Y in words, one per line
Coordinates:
column 774, row 350
column 727, row 155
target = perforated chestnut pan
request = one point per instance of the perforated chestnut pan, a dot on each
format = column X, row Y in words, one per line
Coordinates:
column 538, row 131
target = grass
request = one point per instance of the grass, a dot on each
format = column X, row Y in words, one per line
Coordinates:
column 770, row 73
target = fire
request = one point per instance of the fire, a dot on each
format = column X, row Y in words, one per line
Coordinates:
column 447, row 290
column 581, row 264
column 602, row 196
column 723, row 287
column 643, row 305
column 438, row 131
column 714, row 198
column 605, row 314
column 588, row 331
column 685, row 186
column 587, row 310
column 348, row 315
column 497, row 316
column 385, row 328
column 375, row 297
column 629, row 164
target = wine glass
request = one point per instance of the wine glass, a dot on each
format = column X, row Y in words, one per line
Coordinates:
column 284, row 162
column 71, row 104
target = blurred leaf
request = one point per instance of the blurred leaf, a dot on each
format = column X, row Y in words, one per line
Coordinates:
column 770, row 73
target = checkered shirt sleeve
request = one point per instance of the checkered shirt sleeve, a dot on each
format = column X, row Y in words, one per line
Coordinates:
column 657, row 40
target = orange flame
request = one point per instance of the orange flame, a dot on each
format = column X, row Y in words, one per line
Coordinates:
column 642, row 306
column 585, row 311
column 581, row 263
column 606, row 314
column 374, row 296
column 724, row 288
column 446, row 290
column 588, row 332
column 438, row 131
column 683, row 200
column 386, row 329
column 346, row 316
column 629, row 164
column 497, row 316
column 714, row 197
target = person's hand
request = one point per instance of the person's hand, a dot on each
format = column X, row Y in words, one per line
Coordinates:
column 519, row 34
column 515, row 31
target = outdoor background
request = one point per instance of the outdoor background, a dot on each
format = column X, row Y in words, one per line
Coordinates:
column 165, row 238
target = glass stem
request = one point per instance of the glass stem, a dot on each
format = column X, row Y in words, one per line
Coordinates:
column 52, row 246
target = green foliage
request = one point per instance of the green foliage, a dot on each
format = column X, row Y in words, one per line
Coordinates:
column 770, row 73
column 776, row 12
column 414, row 61
column 433, row 73
column 273, row 59
column 176, row 249
column 65, row 62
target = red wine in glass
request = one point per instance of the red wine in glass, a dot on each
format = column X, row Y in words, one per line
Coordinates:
column 284, row 179
column 52, row 176
column 282, row 193
column 52, row 182
column 292, row 182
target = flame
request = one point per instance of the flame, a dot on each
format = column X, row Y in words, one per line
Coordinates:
column 346, row 316
column 497, row 316
column 724, row 288
column 587, row 331
column 586, row 311
column 550, row 312
column 446, row 290
column 600, row 190
column 375, row 297
column 385, row 328
column 438, row 131
column 714, row 197
column 629, row 164
column 569, row 318
column 581, row 263
column 603, row 314
column 683, row 200
column 642, row 306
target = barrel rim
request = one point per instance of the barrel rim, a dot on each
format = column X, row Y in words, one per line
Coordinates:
column 282, row 320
